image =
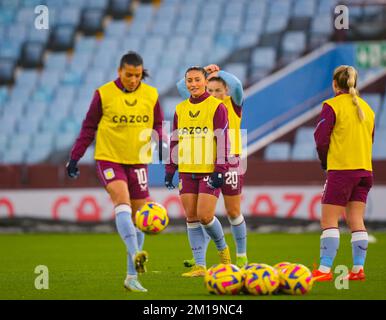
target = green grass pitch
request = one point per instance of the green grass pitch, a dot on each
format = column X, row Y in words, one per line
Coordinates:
column 92, row 266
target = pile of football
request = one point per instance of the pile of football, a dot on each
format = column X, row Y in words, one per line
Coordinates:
column 259, row 279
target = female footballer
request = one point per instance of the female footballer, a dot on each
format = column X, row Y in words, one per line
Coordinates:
column 199, row 150
column 227, row 88
column 122, row 114
column 344, row 137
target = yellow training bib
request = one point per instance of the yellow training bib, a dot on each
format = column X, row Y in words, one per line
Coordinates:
column 351, row 139
column 196, row 139
column 124, row 132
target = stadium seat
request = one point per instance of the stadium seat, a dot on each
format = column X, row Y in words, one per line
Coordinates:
column 247, row 40
column 98, row 4
column 7, row 71
column 62, row 38
column 374, row 100
column 218, row 53
column 32, row 54
column 379, row 147
column 184, row 27
column 69, row 16
column 51, row 126
column 238, row 69
column 225, row 40
column 21, row 141
column 85, row 45
column 303, row 151
column 326, row 6
column 256, row 8
column 263, row 58
column 278, row 151
column 56, row 61
column 13, row 156
column 382, row 119
column 233, row 26
column 3, row 95
column 116, row 29
column 66, row 91
column 322, row 25
column 36, row 109
column 162, row 27
column 73, row 77
column 131, row 43
column 25, row 16
column 294, row 42
column 207, row 27
column 169, row 106
column 178, row 43
column 171, row 59
column 95, row 78
column 8, row 122
column 282, row 7
column 10, row 49
column 14, row 109
column 3, row 142
column 304, row 135
column 120, row 9
column 276, row 23
column 45, row 139
column 234, row 9
column 80, row 60
column 64, row 141
column 92, row 21
column 37, row 154
column 37, row 35
column 167, row 11
column 88, row 157
column 29, row 125
column 10, row 4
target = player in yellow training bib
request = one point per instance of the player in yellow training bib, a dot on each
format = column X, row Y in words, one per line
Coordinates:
column 124, row 113
column 344, row 138
column 199, row 150
column 227, row 88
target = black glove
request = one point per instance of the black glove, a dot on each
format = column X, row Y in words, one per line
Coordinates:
column 72, row 169
column 324, row 166
column 162, row 151
column 216, row 180
column 169, row 181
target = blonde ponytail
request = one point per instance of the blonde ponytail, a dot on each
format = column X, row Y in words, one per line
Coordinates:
column 351, row 81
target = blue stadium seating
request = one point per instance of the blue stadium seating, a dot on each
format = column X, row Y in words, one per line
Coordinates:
column 279, row 151
column 379, row 147
column 304, row 8
column 3, row 143
column 204, row 32
column 374, row 100
column 305, row 135
column 304, row 151
column 14, row 156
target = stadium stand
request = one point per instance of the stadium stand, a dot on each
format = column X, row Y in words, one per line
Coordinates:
column 81, row 50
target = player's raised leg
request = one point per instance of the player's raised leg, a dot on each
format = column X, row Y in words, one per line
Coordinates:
column 238, row 228
column 329, row 241
column 206, row 206
column 359, row 238
column 119, row 194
